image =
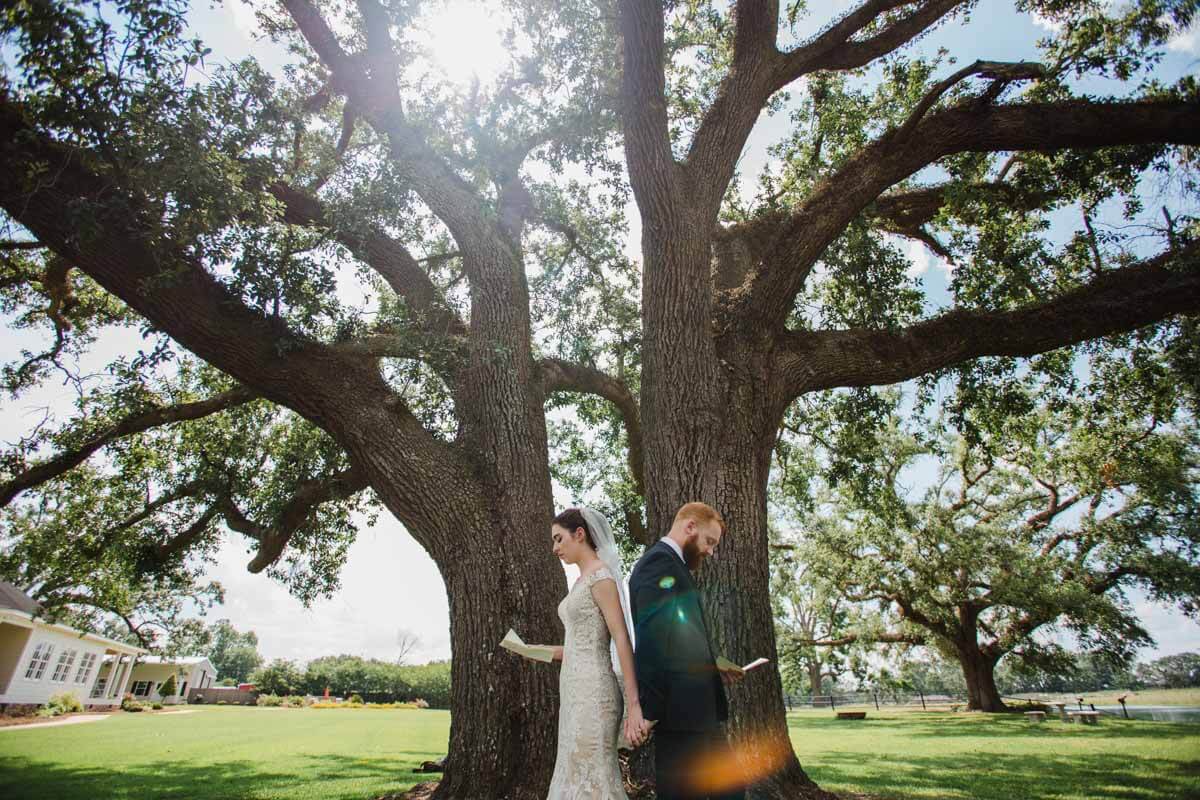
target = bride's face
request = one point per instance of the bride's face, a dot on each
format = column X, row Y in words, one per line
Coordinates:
column 567, row 545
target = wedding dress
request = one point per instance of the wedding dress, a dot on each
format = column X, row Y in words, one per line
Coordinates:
column 590, row 702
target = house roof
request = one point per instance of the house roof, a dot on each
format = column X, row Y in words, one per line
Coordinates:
column 26, row 619
column 12, row 597
column 183, row 661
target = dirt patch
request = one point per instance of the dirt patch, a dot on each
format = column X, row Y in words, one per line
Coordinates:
column 42, row 722
column 422, row 791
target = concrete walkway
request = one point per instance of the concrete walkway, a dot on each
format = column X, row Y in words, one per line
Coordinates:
column 75, row 720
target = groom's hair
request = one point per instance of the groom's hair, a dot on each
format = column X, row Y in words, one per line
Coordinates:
column 573, row 519
column 703, row 513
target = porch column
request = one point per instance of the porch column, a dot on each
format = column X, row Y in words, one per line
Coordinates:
column 114, row 675
column 125, row 677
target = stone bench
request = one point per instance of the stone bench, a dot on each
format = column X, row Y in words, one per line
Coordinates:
column 851, row 715
column 1086, row 717
column 1035, row 716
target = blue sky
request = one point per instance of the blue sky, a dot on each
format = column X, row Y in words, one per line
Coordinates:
column 389, row 584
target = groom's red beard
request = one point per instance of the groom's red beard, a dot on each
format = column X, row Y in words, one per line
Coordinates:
column 692, row 555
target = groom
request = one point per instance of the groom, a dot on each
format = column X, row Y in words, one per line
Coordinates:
column 678, row 680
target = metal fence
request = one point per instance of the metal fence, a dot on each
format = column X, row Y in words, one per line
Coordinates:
column 877, row 699
column 214, row 695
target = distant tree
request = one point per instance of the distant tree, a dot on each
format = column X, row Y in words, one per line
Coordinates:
column 280, row 677
column 1043, row 512
column 233, row 654
column 808, row 608
column 407, row 643
column 1173, row 672
column 168, row 687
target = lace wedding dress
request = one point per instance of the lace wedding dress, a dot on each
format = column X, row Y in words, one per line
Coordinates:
column 590, row 702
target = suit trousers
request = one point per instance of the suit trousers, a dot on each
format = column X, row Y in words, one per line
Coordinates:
column 696, row 765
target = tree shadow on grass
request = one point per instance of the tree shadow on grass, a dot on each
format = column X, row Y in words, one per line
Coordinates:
column 987, row 776
column 1009, row 725
column 329, row 777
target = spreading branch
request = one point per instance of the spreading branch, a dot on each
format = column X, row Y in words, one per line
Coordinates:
column 273, row 538
column 1119, row 300
column 789, row 246
column 565, row 376
column 130, row 425
column 382, row 253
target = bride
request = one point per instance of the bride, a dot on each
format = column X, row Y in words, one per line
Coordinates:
column 595, row 614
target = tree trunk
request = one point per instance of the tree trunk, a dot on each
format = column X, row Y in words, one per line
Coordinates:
column 709, row 427
column 979, row 671
column 814, row 676
column 504, row 709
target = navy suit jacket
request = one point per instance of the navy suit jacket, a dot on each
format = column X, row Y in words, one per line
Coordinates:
column 678, row 681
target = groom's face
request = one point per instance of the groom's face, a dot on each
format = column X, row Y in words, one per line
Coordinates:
column 702, row 541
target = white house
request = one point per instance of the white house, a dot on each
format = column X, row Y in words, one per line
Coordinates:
column 39, row 658
column 151, row 672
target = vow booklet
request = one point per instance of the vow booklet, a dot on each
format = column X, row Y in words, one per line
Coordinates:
column 536, row 652
column 726, row 665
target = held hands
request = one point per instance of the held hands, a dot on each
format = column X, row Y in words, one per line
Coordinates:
column 637, row 729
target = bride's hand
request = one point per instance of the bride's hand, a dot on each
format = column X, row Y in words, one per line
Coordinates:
column 635, row 726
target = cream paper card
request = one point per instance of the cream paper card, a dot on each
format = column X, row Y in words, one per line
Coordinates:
column 535, row 652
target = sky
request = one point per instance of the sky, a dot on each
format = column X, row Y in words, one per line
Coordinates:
column 389, row 584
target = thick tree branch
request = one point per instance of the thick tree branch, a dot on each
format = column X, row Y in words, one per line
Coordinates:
column 837, row 49
column 563, row 376
column 135, row 423
column 273, row 538
column 374, row 94
column 787, row 252
column 885, row 637
column 652, row 167
column 183, row 541
column 126, row 252
column 1116, row 301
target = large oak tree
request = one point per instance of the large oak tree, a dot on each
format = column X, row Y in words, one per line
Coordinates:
column 215, row 210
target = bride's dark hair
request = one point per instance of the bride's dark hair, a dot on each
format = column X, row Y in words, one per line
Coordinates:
column 572, row 519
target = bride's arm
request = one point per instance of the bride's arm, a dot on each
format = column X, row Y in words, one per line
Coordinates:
column 605, row 594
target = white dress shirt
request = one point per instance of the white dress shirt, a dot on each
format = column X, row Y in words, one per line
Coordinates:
column 675, row 546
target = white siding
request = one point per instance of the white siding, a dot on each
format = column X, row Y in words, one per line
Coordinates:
column 31, row 690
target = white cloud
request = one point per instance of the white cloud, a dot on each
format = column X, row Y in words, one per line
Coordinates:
column 241, row 13
column 921, row 259
column 1186, row 40
column 1045, row 23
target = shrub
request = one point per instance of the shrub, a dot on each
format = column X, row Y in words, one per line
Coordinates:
column 131, row 705
column 294, row 701
column 197, row 700
column 63, row 703
column 271, row 700
column 356, row 699
column 157, row 706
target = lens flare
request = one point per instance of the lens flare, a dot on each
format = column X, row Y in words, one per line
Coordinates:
column 667, row 582
column 745, row 762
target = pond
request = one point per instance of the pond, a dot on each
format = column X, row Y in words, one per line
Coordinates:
column 1158, row 713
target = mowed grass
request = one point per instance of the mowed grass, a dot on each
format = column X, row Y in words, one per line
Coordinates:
column 224, row 753
column 234, row 753
column 913, row 755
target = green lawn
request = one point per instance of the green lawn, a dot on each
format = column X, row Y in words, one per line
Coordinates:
column 232, row 753
column 909, row 755
column 224, row 753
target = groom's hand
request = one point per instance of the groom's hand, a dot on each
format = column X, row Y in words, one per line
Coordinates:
column 731, row 677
